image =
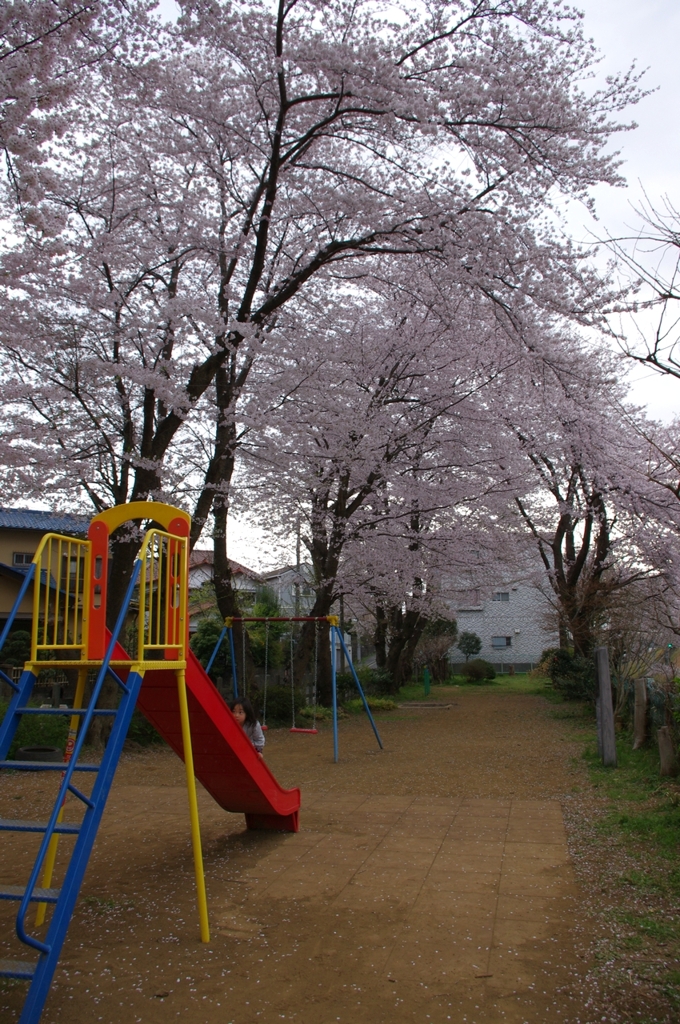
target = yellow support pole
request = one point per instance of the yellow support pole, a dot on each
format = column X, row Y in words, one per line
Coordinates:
column 193, row 807
column 51, row 856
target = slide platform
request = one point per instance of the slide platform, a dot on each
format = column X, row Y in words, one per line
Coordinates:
column 225, row 761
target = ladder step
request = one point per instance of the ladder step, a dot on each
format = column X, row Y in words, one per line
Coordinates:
column 16, row 892
column 46, row 766
column 16, row 825
column 17, row 969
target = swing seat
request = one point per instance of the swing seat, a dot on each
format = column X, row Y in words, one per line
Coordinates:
column 295, row 729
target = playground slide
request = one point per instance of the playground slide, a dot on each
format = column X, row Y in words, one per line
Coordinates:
column 224, row 759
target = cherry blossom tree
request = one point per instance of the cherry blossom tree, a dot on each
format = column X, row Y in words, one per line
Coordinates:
column 371, row 438
column 250, row 157
column 649, row 330
column 47, row 47
column 585, row 499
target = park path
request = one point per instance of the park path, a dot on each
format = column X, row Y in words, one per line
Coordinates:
column 419, row 909
column 431, row 882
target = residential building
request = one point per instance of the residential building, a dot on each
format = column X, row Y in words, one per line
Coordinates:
column 201, row 570
column 293, row 586
column 514, row 623
column 21, row 530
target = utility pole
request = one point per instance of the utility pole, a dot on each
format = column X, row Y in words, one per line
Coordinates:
column 297, row 566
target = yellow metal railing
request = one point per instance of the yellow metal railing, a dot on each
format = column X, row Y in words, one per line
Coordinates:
column 163, row 598
column 62, row 567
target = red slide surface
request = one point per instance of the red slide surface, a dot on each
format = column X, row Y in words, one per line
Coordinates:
column 225, row 761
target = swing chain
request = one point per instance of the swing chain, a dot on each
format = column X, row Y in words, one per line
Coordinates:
column 266, row 665
column 292, row 679
column 316, row 669
column 243, row 659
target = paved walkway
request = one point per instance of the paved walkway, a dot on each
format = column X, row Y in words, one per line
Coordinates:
column 406, row 906
column 456, row 907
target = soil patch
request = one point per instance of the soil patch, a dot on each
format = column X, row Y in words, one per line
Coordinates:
column 429, row 881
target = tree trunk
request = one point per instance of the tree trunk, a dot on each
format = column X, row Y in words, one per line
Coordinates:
column 306, row 650
column 440, row 669
column 125, row 544
column 405, row 632
column 582, row 634
column 325, row 552
column 227, row 598
column 667, row 758
column 380, row 637
column 563, row 633
column 415, row 628
column 124, row 551
column 640, row 719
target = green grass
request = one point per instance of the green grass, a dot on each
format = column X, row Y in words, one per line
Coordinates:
column 643, row 924
column 645, row 809
column 636, row 777
column 644, row 816
column 520, row 683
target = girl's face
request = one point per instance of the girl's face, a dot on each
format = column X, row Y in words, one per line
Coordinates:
column 239, row 714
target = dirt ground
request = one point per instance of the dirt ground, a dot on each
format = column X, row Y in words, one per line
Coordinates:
column 428, row 882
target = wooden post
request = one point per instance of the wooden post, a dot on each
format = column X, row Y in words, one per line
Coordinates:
column 640, row 719
column 669, row 764
column 606, row 708
column 598, row 726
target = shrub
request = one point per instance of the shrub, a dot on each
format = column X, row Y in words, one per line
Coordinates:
column 141, row 731
column 38, row 731
column 373, row 680
column 316, row 713
column 469, row 644
column 478, row 670
column 280, row 704
column 17, row 648
column 203, row 643
column 374, row 703
column 571, row 675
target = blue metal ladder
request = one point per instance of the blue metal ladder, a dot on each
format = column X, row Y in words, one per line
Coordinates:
column 40, row 972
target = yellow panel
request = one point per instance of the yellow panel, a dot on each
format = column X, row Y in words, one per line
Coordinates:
column 156, row 510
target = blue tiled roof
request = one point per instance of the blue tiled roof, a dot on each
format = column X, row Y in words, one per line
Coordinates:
column 46, row 522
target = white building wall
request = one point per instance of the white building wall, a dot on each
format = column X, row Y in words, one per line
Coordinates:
column 524, row 617
column 283, row 583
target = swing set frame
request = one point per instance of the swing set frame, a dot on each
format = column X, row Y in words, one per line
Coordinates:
column 334, row 633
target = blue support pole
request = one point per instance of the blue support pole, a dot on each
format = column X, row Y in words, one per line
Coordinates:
column 334, row 684
column 361, row 692
column 66, row 779
column 216, row 649
column 232, row 652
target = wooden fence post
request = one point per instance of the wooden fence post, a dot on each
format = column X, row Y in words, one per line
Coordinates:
column 667, row 758
column 640, row 719
column 607, row 731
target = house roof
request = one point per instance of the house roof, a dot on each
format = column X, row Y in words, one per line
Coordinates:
column 284, row 570
column 45, row 522
column 206, row 556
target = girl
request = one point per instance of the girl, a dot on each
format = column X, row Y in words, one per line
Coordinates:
column 244, row 713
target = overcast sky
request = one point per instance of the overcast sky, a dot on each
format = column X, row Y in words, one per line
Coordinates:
column 648, row 33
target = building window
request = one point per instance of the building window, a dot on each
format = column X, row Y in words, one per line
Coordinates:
column 501, row 641
column 501, row 595
column 22, row 558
